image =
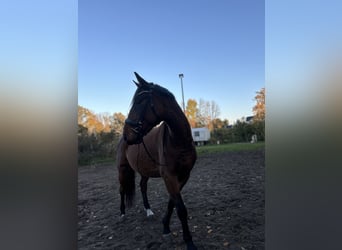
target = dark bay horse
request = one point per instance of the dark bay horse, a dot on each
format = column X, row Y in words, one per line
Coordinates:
column 156, row 142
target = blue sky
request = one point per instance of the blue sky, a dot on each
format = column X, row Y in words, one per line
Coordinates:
column 217, row 45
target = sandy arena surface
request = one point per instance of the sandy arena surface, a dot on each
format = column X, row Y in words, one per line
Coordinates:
column 224, row 196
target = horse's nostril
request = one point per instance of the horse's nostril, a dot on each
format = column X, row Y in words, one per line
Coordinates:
column 125, row 137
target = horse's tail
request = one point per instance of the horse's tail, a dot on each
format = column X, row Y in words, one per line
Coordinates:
column 128, row 184
column 126, row 174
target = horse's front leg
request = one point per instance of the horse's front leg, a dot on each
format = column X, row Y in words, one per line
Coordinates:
column 143, row 188
column 173, row 186
column 167, row 217
column 183, row 216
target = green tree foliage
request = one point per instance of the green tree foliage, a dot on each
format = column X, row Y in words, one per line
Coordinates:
column 87, row 145
column 98, row 135
column 239, row 132
column 259, row 129
column 243, row 131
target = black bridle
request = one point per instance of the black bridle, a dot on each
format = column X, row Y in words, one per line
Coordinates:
column 137, row 126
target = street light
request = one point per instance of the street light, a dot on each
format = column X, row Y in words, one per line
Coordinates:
column 181, row 77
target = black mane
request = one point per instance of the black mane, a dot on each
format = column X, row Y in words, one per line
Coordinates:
column 155, row 88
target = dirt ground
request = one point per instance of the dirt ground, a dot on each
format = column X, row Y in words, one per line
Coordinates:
column 224, row 197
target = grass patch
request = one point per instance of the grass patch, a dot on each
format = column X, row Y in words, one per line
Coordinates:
column 97, row 161
column 201, row 150
column 231, row 147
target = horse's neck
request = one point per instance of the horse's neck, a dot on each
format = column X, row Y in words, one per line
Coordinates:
column 179, row 128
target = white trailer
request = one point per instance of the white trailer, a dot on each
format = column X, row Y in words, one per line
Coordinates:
column 200, row 135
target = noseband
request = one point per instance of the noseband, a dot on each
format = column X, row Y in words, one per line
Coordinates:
column 136, row 126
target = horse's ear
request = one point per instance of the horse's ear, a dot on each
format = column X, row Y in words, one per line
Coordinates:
column 141, row 81
column 136, row 83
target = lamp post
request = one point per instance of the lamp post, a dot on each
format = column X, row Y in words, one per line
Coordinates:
column 181, row 77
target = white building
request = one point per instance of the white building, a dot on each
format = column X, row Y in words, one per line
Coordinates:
column 200, row 135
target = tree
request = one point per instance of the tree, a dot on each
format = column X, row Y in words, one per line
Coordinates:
column 214, row 110
column 87, row 145
column 98, row 134
column 88, row 119
column 218, row 123
column 243, row 131
column 259, row 108
column 202, row 117
column 207, row 113
column 118, row 123
column 259, row 129
column 83, row 115
column 105, row 120
column 191, row 112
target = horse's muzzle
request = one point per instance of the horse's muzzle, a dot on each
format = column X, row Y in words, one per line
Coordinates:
column 135, row 134
column 136, row 140
column 136, row 127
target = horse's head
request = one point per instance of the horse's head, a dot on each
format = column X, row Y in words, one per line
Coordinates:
column 143, row 115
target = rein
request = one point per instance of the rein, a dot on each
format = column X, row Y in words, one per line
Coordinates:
column 151, row 157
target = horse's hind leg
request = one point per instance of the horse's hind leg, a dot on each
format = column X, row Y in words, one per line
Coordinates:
column 122, row 202
column 143, row 188
column 127, row 186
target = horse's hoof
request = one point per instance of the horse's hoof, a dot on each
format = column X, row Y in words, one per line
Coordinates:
column 122, row 217
column 149, row 212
